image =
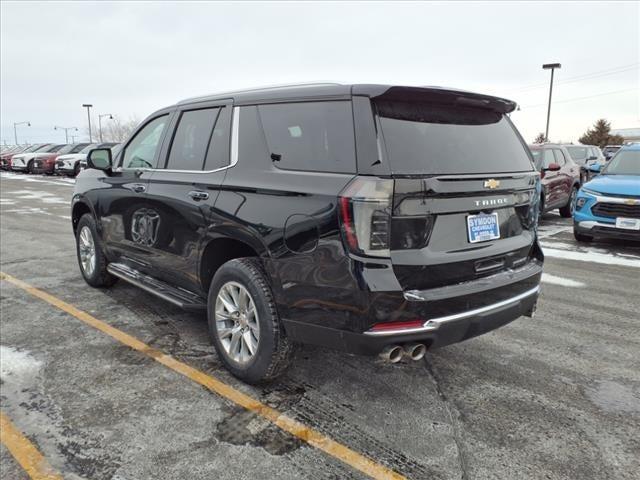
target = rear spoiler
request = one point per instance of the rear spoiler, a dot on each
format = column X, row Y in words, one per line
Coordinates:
column 437, row 95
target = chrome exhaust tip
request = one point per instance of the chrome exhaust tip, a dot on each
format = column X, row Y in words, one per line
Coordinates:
column 392, row 353
column 415, row 351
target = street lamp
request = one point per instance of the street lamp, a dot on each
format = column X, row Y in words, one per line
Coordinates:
column 88, row 107
column 552, row 67
column 66, row 131
column 100, row 122
column 15, row 131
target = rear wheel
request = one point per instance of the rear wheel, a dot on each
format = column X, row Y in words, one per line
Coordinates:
column 244, row 324
column 92, row 262
column 541, row 205
column 567, row 210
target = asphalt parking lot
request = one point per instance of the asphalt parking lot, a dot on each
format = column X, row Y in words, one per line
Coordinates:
column 557, row 396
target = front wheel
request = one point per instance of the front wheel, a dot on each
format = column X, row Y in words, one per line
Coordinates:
column 92, row 262
column 244, row 324
column 567, row 210
column 580, row 237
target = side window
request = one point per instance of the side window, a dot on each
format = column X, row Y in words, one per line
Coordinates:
column 315, row 136
column 218, row 151
column 560, row 160
column 548, row 158
column 190, row 142
column 141, row 151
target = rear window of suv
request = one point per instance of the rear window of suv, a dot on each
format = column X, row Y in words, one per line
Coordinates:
column 313, row 136
column 431, row 139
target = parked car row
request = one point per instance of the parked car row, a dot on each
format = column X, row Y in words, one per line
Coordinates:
column 48, row 158
column 564, row 168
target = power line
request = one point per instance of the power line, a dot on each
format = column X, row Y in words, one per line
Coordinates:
column 575, row 99
column 585, row 76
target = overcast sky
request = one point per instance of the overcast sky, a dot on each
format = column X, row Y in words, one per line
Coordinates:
column 132, row 58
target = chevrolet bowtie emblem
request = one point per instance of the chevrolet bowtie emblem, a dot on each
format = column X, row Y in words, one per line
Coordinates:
column 631, row 201
column 492, row 183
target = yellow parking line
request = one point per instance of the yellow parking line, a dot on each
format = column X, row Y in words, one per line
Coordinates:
column 308, row 435
column 25, row 453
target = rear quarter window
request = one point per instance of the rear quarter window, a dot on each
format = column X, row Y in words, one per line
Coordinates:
column 312, row 136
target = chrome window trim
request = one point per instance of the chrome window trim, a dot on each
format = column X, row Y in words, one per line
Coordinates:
column 233, row 151
column 434, row 323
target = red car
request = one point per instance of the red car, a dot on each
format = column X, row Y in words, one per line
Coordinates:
column 560, row 178
column 46, row 163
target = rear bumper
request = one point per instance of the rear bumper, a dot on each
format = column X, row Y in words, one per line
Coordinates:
column 435, row 332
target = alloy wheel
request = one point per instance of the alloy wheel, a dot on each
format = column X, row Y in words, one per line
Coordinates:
column 237, row 322
column 87, row 249
column 574, row 196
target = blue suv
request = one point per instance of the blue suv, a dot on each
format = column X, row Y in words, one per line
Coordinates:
column 609, row 205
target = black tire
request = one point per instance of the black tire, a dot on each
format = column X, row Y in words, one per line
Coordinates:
column 30, row 167
column 567, row 210
column 99, row 277
column 581, row 237
column 76, row 170
column 274, row 350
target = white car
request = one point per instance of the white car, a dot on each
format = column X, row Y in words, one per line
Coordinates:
column 23, row 162
column 70, row 164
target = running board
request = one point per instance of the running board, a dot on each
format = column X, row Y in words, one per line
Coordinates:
column 178, row 296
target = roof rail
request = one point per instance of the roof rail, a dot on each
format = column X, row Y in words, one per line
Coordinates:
column 261, row 89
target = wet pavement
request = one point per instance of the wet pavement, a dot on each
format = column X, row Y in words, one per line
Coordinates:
column 557, row 396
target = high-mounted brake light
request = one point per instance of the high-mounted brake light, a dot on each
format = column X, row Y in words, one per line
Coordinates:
column 365, row 215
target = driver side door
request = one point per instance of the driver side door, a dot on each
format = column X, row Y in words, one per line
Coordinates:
column 127, row 228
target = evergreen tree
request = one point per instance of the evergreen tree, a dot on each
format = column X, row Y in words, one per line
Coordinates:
column 539, row 138
column 600, row 135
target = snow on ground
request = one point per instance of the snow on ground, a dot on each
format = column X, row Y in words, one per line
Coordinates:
column 17, row 367
column 565, row 282
column 39, row 178
column 589, row 255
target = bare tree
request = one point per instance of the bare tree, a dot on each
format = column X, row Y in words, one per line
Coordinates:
column 114, row 130
column 540, row 138
column 118, row 130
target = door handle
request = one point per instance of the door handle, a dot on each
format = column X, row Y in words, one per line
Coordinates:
column 139, row 187
column 198, row 195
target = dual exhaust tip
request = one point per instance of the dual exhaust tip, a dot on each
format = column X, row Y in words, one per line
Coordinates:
column 395, row 353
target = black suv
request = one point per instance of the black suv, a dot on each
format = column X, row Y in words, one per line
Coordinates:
column 369, row 218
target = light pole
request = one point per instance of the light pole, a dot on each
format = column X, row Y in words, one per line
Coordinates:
column 66, row 131
column 15, row 131
column 552, row 67
column 88, row 107
column 100, row 122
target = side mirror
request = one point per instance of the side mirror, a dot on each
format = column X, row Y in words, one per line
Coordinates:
column 100, row 159
column 595, row 167
column 553, row 167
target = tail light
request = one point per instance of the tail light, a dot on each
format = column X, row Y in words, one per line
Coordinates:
column 365, row 216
